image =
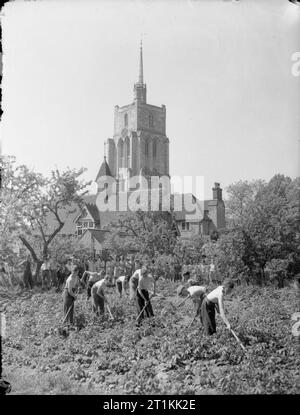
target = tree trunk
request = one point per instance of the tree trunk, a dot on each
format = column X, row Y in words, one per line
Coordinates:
column 37, row 271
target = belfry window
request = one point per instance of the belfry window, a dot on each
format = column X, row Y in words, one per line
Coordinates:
column 151, row 120
column 126, row 120
column 146, row 149
column 122, row 149
column 154, row 149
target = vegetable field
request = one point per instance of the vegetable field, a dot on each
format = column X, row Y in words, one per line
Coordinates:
column 102, row 356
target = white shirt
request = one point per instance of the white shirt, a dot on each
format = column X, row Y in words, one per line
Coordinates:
column 71, row 283
column 95, row 277
column 45, row 266
column 146, row 282
column 216, row 294
column 196, row 290
column 121, row 279
column 99, row 287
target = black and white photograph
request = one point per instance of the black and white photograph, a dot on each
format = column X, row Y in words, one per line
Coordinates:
column 150, row 200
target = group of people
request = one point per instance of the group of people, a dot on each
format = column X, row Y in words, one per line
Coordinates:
column 54, row 273
column 126, row 274
column 140, row 283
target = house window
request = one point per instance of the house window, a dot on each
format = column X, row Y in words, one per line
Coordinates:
column 85, row 224
column 151, row 120
column 185, row 226
column 79, row 231
column 126, row 120
column 79, row 224
column 91, row 224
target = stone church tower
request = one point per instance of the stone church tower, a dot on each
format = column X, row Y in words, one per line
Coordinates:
column 139, row 146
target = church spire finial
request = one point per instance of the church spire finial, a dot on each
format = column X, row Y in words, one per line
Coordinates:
column 141, row 75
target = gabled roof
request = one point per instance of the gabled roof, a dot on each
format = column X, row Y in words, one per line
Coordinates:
column 104, row 170
column 98, row 234
column 94, row 212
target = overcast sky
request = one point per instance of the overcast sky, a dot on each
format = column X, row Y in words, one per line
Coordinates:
column 222, row 68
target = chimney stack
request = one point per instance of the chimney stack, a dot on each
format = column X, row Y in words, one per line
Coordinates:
column 217, row 192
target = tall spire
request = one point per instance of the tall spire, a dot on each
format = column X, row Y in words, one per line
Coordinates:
column 141, row 77
column 140, row 90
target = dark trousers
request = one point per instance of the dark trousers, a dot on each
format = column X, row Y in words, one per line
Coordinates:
column 208, row 316
column 197, row 306
column 46, row 278
column 98, row 304
column 119, row 287
column 53, row 278
column 28, row 282
column 141, row 304
column 68, row 303
column 89, row 288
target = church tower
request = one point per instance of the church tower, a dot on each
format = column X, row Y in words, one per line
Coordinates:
column 139, row 146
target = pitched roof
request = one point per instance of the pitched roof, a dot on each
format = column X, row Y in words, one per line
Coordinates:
column 98, row 234
column 198, row 211
column 94, row 212
column 107, row 217
column 104, row 170
column 90, row 199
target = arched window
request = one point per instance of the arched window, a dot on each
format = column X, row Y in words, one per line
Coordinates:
column 127, row 143
column 154, row 149
column 151, row 120
column 147, row 149
column 126, row 120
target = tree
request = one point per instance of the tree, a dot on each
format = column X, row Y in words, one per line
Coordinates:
column 264, row 221
column 35, row 208
column 18, row 184
column 241, row 195
column 150, row 233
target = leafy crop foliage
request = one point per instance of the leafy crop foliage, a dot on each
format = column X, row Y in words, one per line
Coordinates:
column 103, row 356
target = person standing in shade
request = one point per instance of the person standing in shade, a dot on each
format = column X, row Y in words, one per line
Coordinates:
column 213, row 302
column 117, row 271
column 62, row 275
column 27, row 275
column 122, row 284
column 69, row 296
column 46, row 277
